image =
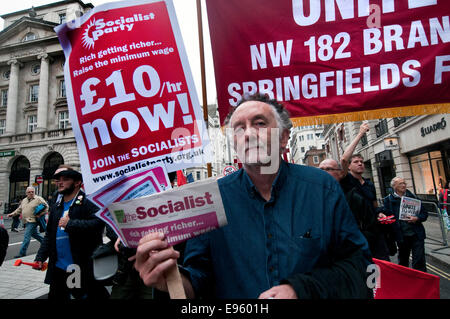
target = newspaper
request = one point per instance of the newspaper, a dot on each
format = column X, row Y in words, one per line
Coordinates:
column 409, row 207
column 145, row 183
column 181, row 213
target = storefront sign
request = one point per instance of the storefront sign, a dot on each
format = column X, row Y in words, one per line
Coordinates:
column 391, row 143
column 131, row 96
column 7, row 153
column 333, row 61
column 433, row 128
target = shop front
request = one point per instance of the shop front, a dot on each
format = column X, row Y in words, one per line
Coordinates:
column 427, row 146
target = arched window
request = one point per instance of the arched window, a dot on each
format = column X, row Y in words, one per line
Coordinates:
column 19, row 179
column 50, row 165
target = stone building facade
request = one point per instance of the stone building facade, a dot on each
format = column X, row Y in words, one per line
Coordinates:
column 35, row 131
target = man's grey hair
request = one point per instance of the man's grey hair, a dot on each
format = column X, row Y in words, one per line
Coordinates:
column 395, row 180
column 281, row 114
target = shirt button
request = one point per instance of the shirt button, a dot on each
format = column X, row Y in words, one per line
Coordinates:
column 269, row 236
column 271, row 269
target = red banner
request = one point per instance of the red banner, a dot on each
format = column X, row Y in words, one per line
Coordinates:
column 132, row 100
column 333, row 61
column 398, row 282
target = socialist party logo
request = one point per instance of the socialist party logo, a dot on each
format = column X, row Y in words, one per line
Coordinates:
column 98, row 28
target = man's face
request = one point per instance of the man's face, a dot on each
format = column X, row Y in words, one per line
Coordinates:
column 332, row 168
column 400, row 186
column 357, row 165
column 30, row 193
column 66, row 185
column 256, row 133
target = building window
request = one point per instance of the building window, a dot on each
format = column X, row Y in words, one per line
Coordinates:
column 381, row 128
column 4, row 98
column 400, row 120
column 62, row 89
column 6, row 74
column 31, row 123
column 63, row 120
column 302, row 149
column 35, row 69
column 198, row 175
column 2, row 126
column 364, row 140
column 310, row 137
column 34, row 93
column 316, row 159
column 29, row 36
column 62, row 18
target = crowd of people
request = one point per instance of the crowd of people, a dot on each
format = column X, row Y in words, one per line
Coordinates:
column 308, row 232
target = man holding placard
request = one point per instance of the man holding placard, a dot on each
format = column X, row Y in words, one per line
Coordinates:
column 409, row 231
column 290, row 232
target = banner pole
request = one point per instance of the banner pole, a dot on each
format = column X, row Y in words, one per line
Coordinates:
column 202, row 69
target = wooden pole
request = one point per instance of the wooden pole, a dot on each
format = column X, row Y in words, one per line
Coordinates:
column 175, row 284
column 202, row 69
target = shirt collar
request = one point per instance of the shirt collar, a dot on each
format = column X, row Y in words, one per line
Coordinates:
column 276, row 185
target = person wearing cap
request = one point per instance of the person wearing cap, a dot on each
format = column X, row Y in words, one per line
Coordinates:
column 73, row 232
column 27, row 208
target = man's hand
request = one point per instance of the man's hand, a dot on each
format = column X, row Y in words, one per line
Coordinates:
column 154, row 257
column 412, row 219
column 38, row 265
column 63, row 221
column 279, row 292
column 364, row 128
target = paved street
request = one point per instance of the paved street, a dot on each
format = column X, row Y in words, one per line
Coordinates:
column 25, row 283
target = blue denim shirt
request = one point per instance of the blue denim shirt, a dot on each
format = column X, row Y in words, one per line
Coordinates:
column 301, row 227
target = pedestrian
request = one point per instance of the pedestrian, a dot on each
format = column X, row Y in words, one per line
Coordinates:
column 444, row 201
column 16, row 219
column 410, row 234
column 27, row 208
column 126, row 283
column 4, row 241
column 73, row 233
column 290, row 232
column 361, row 196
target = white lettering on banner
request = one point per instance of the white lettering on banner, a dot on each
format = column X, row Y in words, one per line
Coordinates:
column 116, row 78
column 281, row 53
column 133, row 122
column 392, row 34
column 345, row 8
column 98, row 28
column 343, row 82
column 440, row 68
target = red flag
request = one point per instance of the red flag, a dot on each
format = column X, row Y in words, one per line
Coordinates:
column 399, row 282
column 181, row 179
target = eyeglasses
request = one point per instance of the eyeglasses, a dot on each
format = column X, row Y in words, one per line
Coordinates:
column 329, row 169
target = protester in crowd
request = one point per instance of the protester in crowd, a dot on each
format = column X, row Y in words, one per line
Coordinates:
column 127, row 284
column 4, row 241
column 16, row 219
column 290, row 232
column 27, row 208
column 361, row 197
column 444, row 201
column 73, row 232
column 410, row 234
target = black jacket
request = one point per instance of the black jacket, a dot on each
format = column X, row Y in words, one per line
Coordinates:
column 85, row 232
column 392, row 206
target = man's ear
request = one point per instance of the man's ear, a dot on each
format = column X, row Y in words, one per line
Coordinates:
column 284, row 138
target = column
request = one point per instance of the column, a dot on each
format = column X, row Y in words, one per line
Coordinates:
column 42, row 110
column 13, row 91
